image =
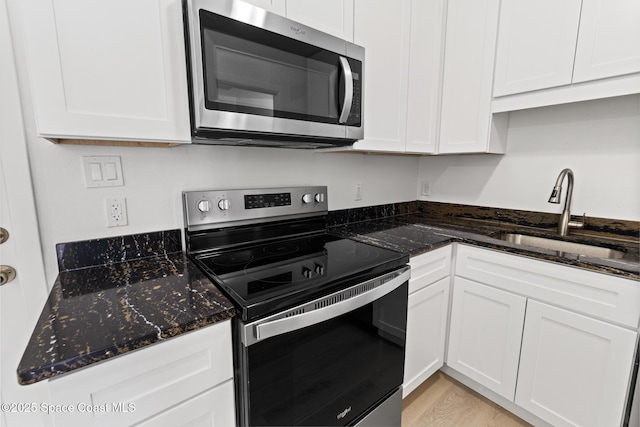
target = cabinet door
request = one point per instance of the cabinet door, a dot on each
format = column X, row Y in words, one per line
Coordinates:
column 485, row 335
column 212, row 408
column 111, row 70
column 331, row 16
column 423, row 96
column 141, row 384
column 426, row 333
column 382, row 27
column 536, row 45
column 470, row 41
column 273, row 6
column 609, row 39
column 574, row 370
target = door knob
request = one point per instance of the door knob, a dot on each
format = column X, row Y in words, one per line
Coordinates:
column 4, row 235
column 7, row 274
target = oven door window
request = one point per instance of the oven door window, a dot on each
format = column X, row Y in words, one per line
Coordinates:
column 332, row 372
column 254, row 71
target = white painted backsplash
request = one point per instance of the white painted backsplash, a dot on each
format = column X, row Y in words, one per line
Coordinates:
column 598, row 140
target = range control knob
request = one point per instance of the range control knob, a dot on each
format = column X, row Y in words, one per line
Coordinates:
column 307, row 198
column 307, row 272
column 204, row 206
column 319, row 197
column 224, row 204
column 319, row 269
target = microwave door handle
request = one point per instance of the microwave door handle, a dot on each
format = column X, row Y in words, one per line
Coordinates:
column 289, row 324
column 348, row 90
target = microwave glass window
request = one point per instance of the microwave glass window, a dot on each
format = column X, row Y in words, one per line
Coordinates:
column 254, row 71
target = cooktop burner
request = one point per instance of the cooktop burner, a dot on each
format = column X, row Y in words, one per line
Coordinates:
column 262, row 276
column 268, row 249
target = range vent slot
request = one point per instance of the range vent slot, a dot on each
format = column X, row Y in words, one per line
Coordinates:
column 295, row 312
column 350, row 293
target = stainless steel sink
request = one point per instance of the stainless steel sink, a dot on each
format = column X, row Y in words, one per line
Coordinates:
column 562, row 246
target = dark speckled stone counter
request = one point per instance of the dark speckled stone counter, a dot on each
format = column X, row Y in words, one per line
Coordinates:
column 116, row 295
column 433, row 225
column 120, row 294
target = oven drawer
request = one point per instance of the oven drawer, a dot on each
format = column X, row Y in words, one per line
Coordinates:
column 135, row 386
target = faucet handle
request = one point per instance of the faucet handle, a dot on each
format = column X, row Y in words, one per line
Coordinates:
column 576, row 224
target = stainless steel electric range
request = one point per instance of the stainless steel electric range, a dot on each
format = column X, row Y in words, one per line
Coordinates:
column 320, row 334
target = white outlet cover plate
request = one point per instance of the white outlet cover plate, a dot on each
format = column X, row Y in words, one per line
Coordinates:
column 116, row 211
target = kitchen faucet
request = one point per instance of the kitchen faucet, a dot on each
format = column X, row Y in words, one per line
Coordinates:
column 565, row 223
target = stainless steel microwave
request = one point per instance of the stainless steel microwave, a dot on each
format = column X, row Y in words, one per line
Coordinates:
column 256, row 78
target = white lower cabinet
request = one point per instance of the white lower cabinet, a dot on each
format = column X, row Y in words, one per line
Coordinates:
column 199, row 411
column 426, row 317
column 485, row 334
column 573, row 369
column 187, row 380
column 563, row 339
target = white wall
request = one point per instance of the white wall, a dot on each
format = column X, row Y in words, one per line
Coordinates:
column 598, row 140
column 155, row 177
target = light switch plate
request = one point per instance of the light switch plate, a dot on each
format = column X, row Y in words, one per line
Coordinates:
column 426, row 188
column 102, row 171
column 358, row 192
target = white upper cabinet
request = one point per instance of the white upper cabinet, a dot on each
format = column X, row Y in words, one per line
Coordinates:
column 609, row 39
column 411, row 105
column 382, row 28
column 552, row 52
column 467, row 125
column 404, row 44
column 425, row 60
column 331, row 16
column 112, row 70
column 536, row 46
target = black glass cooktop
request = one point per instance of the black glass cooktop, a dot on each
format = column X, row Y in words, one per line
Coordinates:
column 265, row 278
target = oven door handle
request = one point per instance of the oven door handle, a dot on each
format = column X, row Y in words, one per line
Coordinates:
column 271, row 328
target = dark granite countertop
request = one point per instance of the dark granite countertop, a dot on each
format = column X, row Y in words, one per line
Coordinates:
column 119, row 294
column 116, row 295
column 417, row 233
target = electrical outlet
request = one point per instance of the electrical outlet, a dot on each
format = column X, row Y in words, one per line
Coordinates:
column 426, row 188
column 116, row 212
column 358, row 195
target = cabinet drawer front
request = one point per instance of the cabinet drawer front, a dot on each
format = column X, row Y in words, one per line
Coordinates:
column 212, row 408
column 599, row 295
column 138, row 385
column 429, row 268
column 574, row 370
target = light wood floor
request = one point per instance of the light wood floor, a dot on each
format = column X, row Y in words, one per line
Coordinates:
column 443, row 402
